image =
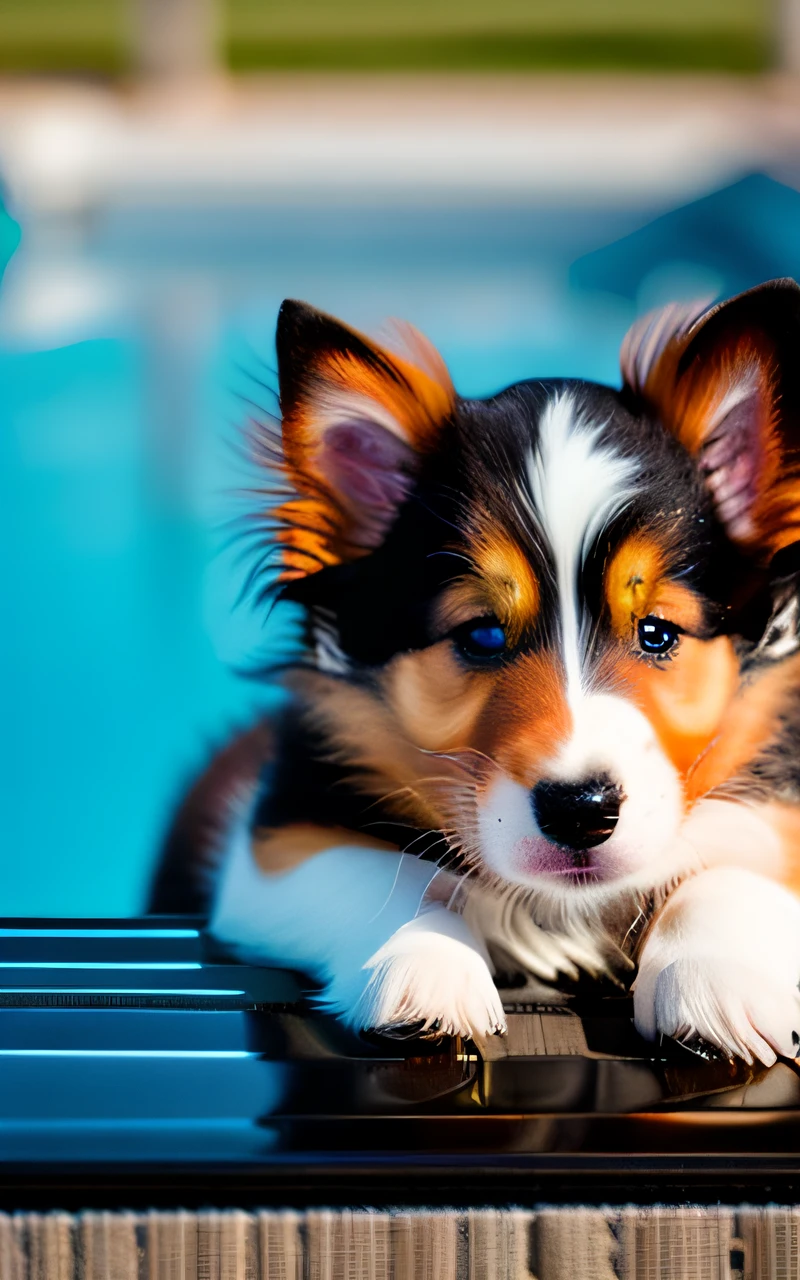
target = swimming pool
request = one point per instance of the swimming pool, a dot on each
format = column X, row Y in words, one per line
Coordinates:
column 128, row 348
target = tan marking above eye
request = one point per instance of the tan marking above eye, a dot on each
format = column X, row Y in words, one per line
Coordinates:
column 637, row 584
column 504, row 584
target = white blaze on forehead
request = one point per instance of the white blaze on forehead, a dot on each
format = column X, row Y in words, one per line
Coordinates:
column 577, row 485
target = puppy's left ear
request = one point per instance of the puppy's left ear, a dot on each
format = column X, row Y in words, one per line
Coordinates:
column 357, row 423
column 725, row 381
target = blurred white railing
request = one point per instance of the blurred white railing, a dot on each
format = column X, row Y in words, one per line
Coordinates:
column 787, row 36
column 175, row 39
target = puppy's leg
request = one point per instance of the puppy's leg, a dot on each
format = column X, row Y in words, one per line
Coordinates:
column 722, row 961
column 356, row 918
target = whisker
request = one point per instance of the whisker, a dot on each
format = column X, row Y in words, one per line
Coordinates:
column 457, row 555
column 391, row 891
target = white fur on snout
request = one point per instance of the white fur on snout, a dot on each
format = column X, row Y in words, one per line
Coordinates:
column 610, row 736
column 722, row 961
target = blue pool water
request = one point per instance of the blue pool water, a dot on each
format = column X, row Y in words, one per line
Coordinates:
column 126, row 348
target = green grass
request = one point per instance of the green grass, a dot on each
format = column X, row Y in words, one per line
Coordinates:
column 90, row 36
column 583, row 51
column 276, row 19
column 63, row 35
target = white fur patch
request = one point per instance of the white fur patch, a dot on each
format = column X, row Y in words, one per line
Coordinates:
column 328, row 653
column 611, row 735
column 334, row 406
column 432, row 971
column 354, row 919
column 576, row 487
column 722, row 961
column 725, row 833
column 780, row 638
column 746, row 387
column 505, row 922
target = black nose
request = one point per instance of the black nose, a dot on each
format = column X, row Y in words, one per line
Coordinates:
column 577, row 814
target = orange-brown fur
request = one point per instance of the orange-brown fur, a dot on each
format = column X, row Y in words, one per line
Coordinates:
column 276, row 851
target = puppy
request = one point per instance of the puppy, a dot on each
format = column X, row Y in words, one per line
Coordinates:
column 549, row 689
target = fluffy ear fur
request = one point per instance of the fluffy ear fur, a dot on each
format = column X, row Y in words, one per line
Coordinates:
column 357, row 420
column 725, row 381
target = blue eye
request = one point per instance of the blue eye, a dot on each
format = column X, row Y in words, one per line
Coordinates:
column 657, row 636
column 484, row 639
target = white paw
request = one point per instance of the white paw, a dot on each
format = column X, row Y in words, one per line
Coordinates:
column 744, row 1012
column 722, row 964
column 431, row 972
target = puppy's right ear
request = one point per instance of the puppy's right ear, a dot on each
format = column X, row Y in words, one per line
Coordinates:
column 357, row 422
column 725, row 380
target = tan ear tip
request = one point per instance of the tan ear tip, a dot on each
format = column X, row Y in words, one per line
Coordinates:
column 655, row 335
column 406, row 342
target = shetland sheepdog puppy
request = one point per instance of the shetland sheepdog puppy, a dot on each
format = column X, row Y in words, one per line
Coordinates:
column 546, row 715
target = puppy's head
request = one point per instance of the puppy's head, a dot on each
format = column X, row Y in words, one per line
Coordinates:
column 520, row 606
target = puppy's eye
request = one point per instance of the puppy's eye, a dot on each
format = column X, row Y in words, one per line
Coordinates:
column 657, row 636
column 483, row 638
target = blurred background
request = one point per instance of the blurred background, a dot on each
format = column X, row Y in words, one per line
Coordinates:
column 519, row 179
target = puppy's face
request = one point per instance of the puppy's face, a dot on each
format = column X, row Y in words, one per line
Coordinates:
column 566, row 659
column 522, row 601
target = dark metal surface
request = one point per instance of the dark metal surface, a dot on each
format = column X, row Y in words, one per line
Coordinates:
column 132, row 1053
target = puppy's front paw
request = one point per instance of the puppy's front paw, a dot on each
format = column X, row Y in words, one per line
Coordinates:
column 722, row 963
column 744, row 1012
column 431, row 974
